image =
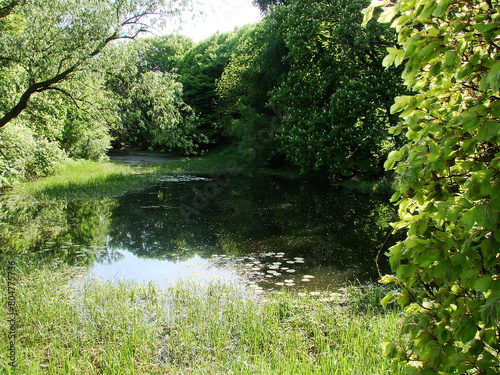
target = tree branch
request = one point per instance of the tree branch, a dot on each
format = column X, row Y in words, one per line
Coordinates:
column 61, row 74
column 22, row 103
column 6, row 10
column 66, row 93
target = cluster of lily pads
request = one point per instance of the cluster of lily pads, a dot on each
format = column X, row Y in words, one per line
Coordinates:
column 272, row 270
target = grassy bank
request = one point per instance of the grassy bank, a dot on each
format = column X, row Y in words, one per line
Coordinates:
column 127, row 328
column 81, row 179
column 100, row 328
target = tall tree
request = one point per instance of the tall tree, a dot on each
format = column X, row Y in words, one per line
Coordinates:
column 163, row 53
column 152, row 111
column 256, row 67
column 265, row 5
column 334, row 101
column 47, row 43
column 199, row 70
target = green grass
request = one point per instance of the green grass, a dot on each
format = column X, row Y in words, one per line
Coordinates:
column 223, row 331
column 82, row 179
column 128, row 328
column 98, row 329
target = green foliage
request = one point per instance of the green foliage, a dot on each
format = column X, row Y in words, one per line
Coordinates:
column 447, row 184
column 25, row 155
column 46, row 45
column 255, row 68
column 163, row 54
column 80, row 122
column 335, row 98
column 57, row 125
column 159, row 116
column 153, row 113
column 199, row 71
column 313, row 75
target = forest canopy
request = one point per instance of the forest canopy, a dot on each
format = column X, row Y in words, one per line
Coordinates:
column 340, row 89
column 78, row 80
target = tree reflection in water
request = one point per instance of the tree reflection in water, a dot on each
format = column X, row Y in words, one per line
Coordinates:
column 333, row 229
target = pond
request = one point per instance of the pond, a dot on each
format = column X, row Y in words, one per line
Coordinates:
column 264, row 231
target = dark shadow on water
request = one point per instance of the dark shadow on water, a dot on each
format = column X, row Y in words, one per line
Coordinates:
column 313, row 229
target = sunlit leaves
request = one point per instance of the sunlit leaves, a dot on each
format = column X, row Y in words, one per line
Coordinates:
column 153, row 113
column 335, row 97
column 447, row 183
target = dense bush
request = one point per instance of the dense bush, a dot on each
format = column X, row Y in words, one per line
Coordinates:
column 448, row 185
column 24, row 155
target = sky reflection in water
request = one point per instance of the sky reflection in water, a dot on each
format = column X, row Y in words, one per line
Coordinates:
column 195, row 227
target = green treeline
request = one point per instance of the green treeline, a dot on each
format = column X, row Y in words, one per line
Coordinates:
column 305, row 87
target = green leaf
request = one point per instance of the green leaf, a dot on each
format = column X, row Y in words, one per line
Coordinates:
column 490, row 311
column 391, row 297
column 480, row 215
column 467, row 329
column 388, row 14
column 414, row 242
column 367, row 14
column 486, row 28
column 400, row 103
column 388, row 60
column 483, row 283
column 493, row 77
column 427, row 11
column 427, row 50
column 495, row 108
column 389, row 279
column 490, row 130
column 389, row 349
column 442, row 5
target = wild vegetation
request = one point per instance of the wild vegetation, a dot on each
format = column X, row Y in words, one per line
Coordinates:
column 92, row 327
column 447, row 185
column 309, row 87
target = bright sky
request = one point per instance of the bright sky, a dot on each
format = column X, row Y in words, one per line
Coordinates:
column 210, row 16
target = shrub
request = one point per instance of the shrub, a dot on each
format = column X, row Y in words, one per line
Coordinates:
column 447, row 185
column 24, row 155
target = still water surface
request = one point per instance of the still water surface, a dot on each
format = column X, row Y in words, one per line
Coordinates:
column 262, row 231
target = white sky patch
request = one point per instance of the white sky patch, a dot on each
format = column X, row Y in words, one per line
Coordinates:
column 211, row 16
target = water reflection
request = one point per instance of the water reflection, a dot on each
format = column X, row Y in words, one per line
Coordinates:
column 73, row 232
column 196, row 269
column 321, row 237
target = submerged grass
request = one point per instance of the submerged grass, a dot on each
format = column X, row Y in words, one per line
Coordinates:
column 129, row 328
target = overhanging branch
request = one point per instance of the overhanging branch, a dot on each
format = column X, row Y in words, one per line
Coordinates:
column 61, row 74
column 7, row 9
